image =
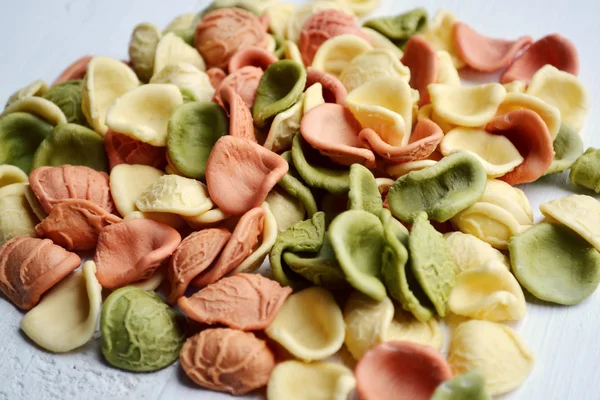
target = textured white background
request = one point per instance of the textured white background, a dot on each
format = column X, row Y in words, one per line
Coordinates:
column 41, row 37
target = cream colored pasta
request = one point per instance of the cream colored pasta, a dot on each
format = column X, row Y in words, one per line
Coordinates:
column 578, row 212
column 301, row 13
column 361, row 8
column 153, row 282
column 427, row 112
column 206, row 219
column 517, row 101
column 68, row 314
column 271, row 44
column 182, row 21
column 143, row 113
column 369, row 322
column 502, row 212
column 440, row 34
column 309, row 325
column 34, row 203
column 470, row 252
column 384, row 105
column 128, row 182
column 295, row 380
column 488, row 292
column 378, row 41
column 338, row 52
column 447, row 73
column 469, row 106
column 495, row 350
column 563, row 91
column 373, row 64
column 106, row 80
column 292, row 52
column 175, row 194
column 16, row 217
column 186, row 76
column 38, row 106
column 284, row 126
column 35, row 88
column 496, row 153
column 397, row 170
column 10, row 174
column 515, row 87
column 279, row 15
column 172, row 49
column 313, row 97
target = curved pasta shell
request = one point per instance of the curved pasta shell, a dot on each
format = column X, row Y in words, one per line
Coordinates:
column 470, row 252
column 338, row 52
column 563, row 91
column 440, row 34
column 286, row 209
column 105, row 81
column 142, row 49
column 550, row 114
column 186, row 76
column 67, row 316
column 496, row 350
column 379, row 41
column 497, row 154
column 122, row 149
column 128, row 182
column 175, row 194
column 38, row 106
column 398, row 170
column 469, row 106
column 447, row 72
column 16, row 216
column 35, row 88
column 309, row 325
column 301, row 13
column 143, row 113
column 171, row 49
column 206, row 219
column 10, row 174
column 427, row 112
column 488, row 292
column 313, row 97
column 295, row 380
column 373, row 64
column 384, row 105
column 279, row 16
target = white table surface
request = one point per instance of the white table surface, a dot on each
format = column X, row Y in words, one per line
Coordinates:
column 41, row 37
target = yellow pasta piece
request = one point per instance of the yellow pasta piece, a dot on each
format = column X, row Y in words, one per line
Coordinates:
column 35, row 88
column 143, row 113
column 67, row 316
column 153, row 282
column 172, row 49
column 398, row 170
column 496, row 153
column 292, row 52
column 369, row 322
column 338, row 52
column 10, row 174
column 106, row 80
column 16, row 217
column 386, row 106
column 488, row 292
column 373, row 64
column 128, row 182
column 578, row 212
column 175, row 194
column 427, row 112
column 295, row 380
column 285, row 125
column 440, row 34
column 301, row 13
column 360, row 8
column 517, row 101
column 470, row 252
column 309, row 325
column 378, row 41
column 447, row 73
column 515, row 87
column 279, row 15
column 271, row 44
column 313, row 96
column 502, row 212
column 563, row 91
column 495, row 350
column 39, row 106
column 34, row 203
column 469, row 106
column 206, row 219
column 186, row 76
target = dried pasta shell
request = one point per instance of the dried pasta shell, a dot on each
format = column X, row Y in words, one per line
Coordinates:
column 287, row 209
column 379, row 41
column 285, row 125
column 128, row 182
column 470, row 252
column 309, row 325
column 488, row 292
column 71, row 144
column 568, row 147
column 175, row 194
column 67, row 96
column 422, row 60
column 10, row 174
column 550, row 114
column 227, row 360
column 384, row 105
column 400, row 28
column 67, row 316
column 171, row 49
column 578, row 212
column 295, row 380
column 38, row 106
column 585, row 172
column 446, row 73
column 364, row 194
column 30, row 266
column 312, row 97
column 303, row 12
column 398, row 170
column 35, row 88
column 76, row 70
column 247, row 302
column 428, row 113
column 252, row 56
column 16, row 216
column 373, row 64
column 186, row 76
column 563, row 91
column 279, row 15
column 122, row 149
column 105, row 81
column 142, row 48
column 338, row 52
column 495, row 350
column 20, row 137
column 470, row 385
column 440, row 34
column 412, row 193
column 496, row 153
column 53, row 184
column 143, row 113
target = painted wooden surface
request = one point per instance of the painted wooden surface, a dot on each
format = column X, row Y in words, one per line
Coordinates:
column 41, row 37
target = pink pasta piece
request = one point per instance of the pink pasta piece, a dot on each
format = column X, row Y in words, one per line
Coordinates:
column 74, row 71
column 244, row 81
column 122, row 149
column 333, row 90
column 241, row 123
column 422, row 60
column 251, row 56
